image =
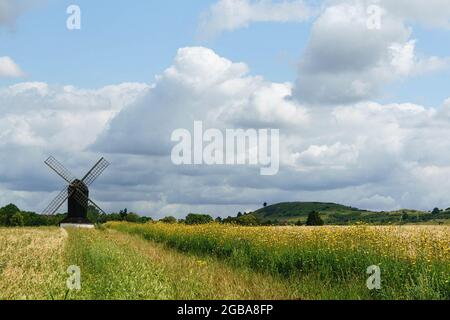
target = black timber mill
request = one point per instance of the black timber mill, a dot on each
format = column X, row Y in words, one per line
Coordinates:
column 76, row 192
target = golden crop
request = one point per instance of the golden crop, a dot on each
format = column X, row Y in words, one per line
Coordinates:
column 31, row 262
column 406, row 242
column 225, row 261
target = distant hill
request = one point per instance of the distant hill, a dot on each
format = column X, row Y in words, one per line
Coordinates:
column 338, row 214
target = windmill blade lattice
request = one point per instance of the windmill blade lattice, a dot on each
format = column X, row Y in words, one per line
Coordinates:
column 95, row 172
column 56, row 166
column 57, row 202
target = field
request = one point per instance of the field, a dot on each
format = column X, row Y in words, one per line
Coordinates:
column 164, row 261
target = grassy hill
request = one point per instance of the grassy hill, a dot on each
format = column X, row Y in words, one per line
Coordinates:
column 338, row 214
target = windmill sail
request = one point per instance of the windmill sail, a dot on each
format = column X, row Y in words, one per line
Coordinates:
column 56, row 166
column 57, row 202
column 95, row 172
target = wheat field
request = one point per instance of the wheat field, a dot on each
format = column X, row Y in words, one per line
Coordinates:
column 31, row 262
column 163, row 261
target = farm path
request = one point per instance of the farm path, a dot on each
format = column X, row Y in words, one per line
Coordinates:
column 34, row 265
column 116, row 265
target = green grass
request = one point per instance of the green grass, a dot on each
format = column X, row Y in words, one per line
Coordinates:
column 120, row 266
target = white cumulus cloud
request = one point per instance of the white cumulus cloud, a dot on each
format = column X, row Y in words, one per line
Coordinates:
column 10, row 69
column 366, row 154
column 38, row 120
column 345, row 61
column 230, row 15
column 431, row 13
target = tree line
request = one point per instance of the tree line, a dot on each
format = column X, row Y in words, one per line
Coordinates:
column 12, row 216
column 243, row 219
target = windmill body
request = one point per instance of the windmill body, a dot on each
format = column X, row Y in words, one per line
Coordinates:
column 77, row 194
column 77, row 208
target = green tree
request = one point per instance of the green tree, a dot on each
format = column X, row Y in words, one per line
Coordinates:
column 248, row 220
column 145, row 219
column 194, row 218
column 169, row 219
column 405, row 216
column 132, row 217
column 314, row 219
column 17, row 220
column 229, row 220
column 6, row 214
column 123, row 214
column 10, row 208
column 436, row 211
column 299, row 223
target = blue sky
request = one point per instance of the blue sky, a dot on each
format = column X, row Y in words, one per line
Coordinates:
column 121, row 42
column 430, row 90
column 132, row 43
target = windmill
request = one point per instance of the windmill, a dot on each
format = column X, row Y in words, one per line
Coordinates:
column 76, row 192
